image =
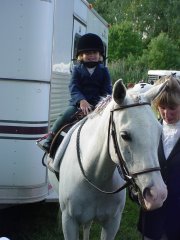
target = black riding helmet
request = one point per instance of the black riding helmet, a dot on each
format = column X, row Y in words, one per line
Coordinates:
column 90, row 42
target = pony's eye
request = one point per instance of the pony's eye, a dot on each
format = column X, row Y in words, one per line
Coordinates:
column 126, row 136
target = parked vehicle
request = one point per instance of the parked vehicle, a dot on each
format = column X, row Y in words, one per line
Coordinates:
column 154, row 75
column 38, row 42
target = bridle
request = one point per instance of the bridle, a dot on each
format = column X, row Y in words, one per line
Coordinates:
column 129, row 177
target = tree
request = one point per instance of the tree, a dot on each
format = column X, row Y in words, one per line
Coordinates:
column 113, row 11
column 163, row 53
column 123, row 41
column 153, row 17
column 148, row 17
column 156, row 24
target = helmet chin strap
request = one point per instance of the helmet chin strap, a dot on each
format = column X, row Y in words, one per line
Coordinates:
column 90, row 64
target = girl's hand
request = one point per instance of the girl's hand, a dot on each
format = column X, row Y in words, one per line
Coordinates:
column 85, row 106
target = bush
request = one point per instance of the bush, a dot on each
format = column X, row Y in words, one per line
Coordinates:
column 131, row 69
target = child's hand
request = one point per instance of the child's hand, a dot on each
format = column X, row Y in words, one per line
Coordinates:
column 85, row 107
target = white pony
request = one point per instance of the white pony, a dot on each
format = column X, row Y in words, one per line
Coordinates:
column 124, row 133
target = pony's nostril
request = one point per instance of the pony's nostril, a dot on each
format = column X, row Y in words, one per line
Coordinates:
column 150, row 194
column 147, row 193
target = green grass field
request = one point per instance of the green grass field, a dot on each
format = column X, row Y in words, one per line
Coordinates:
column 41, row 221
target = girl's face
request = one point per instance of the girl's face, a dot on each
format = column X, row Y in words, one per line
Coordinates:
column 91, row 56
column 170, row 115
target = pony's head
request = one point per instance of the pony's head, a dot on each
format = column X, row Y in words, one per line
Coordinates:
column 137, row 135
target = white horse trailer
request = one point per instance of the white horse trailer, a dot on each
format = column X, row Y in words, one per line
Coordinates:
column 38, row 42
column 154, row 75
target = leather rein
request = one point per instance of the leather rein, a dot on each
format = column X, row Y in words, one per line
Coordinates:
column 129, row 177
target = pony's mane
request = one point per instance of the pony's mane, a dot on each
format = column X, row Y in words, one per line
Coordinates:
column 101, row 105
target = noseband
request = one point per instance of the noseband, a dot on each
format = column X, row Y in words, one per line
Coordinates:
column 129, row 177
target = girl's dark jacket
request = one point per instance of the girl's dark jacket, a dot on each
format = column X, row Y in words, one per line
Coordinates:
column 89, row 87
column 170, row 169
column 166, row 218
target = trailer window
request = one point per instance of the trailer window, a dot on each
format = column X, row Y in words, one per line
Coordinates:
column 76, row 39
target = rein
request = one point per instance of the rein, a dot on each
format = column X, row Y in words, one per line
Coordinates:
column 129, row 177
column 82, row 169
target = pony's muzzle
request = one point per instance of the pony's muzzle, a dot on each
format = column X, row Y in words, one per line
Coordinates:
column 154, row 198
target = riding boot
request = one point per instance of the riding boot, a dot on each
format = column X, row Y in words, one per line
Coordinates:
column 47, row 144
column 60, row 121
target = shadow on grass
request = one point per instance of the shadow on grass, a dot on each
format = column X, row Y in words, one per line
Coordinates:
column 42, row 221
column 31, row 221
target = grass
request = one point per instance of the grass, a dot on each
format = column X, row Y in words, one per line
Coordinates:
column 41, row 221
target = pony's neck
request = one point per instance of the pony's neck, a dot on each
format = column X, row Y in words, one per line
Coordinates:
column 95, row 154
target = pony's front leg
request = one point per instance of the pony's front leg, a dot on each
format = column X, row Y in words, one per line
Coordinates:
column 86, row 230
column 110, row 228
column 70, row 227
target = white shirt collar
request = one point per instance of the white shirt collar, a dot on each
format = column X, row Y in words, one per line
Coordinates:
column 170, row 135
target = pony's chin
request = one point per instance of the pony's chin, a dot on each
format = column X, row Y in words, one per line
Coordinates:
column 150, row 207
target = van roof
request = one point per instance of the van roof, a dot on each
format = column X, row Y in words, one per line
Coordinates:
column 163, row 72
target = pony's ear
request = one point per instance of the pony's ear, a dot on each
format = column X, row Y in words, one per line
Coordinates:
column 154, row 92
column 119, row 91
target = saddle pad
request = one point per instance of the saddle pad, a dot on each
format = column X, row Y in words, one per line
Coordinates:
column 62, row 148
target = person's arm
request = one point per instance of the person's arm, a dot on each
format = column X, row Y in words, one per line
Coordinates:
column 74, row 87
column 76, row 95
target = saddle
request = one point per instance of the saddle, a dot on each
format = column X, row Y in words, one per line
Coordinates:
column 58, row 138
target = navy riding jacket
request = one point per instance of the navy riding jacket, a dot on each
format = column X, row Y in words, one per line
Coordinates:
column 165, row 219
column 89, row 87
